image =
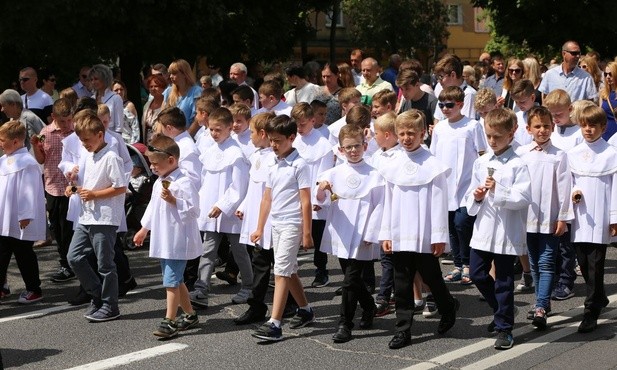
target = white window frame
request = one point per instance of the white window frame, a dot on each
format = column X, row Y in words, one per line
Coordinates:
column 339, row 22
column 459, row 14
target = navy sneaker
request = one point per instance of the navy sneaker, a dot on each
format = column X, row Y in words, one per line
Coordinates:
column 186, row 321
column 302, row 318
column 105, row 313
column 504, row 340
column 561, row 293
column 321, row 279
column 268, row 331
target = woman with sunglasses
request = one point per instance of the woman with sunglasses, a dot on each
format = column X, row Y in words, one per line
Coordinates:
column 514, row 72
column 608, row 99
column 590, row 65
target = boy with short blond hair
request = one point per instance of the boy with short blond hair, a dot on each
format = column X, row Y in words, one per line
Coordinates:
column 593, row 164
column 241, row 132
column 47, row 148
column 102, row 194
column 270, row 97
column 22, row 212
column 457, row 142
column 383, row 101
column 174, row 199
column 485, row 101
column 416, row 246
column 223, row 186
column 499, row 195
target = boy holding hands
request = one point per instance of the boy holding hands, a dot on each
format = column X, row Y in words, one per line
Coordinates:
column 499, row 196
column 416, row 197
column 287, row 201
column 175, row 238
column 102, row 195
column 594, row 193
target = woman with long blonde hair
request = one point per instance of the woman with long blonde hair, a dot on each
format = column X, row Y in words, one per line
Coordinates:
column 514, row 72
column 184, row 90
column 590, row 65
column 608, row 99
column 533, row 74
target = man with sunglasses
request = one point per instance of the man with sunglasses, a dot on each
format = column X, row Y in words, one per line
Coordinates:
column 35, row 99
column 569, row 77
column 82, row 87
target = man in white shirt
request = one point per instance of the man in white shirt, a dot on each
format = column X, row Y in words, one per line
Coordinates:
column 35, row 99
column 238, row 73
column 355, row 60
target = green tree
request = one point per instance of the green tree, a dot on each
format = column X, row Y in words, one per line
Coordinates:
column 398, row 26
column 544, row 25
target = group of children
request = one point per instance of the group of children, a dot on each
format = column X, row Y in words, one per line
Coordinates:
column 487, row 190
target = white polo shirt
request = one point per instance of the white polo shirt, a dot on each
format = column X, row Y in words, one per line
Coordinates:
column 287, row 176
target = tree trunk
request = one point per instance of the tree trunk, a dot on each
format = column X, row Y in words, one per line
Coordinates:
column 335, row 10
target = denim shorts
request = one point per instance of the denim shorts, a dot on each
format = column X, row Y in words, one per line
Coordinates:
column 173, row 272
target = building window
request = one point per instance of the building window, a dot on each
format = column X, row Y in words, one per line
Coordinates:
column 455, row 14
column 339, row 18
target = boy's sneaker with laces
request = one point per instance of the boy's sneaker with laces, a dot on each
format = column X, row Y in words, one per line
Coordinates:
column 268, row 331
column 198, row 299
column 382, row 308
column 28, row 297
column 430, row 309
column 526, row 283
column 166, row 329
column 561, row 293
column 321, row 279
column 504, row 340
column 105, row 313
column 187, row 321
column 302, row 318
column 62, row 275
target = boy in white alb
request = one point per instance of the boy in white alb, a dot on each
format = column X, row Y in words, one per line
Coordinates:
column 523, row 94
column 223, row 187
column 550, row 209
column 499, row 196
column 415, row 225
column 354, row 195
column 594, row 192
column 102, row 208
column 204, row 106
column 270, row 93
column 240, row 129
column 316, row 151
column 348, row 97
column 457, row 142
column 172, row 123
column 320, row 111
column 172, row 215
column 22, row 209
column 287, row 201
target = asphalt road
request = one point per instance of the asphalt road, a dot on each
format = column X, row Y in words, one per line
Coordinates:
column 53, row 335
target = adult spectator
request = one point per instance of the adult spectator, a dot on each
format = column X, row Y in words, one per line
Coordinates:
column 495, row 81
column 48, row 85
column 34, row 99
column 131, row 131
column 345, row 75
column 355, row 59
column 161, row 69
column 331, row 88
column 533, row 73
column 302, row 91
column 156, row 84
column 12, row 107
column 238, row 73
column 82, row 86
column 608, row 99
column 184, row 91
column 569, row 76
column 391, row 72
column 590, row 65
column 372, row 82
column 101, row 80
column 515, row 71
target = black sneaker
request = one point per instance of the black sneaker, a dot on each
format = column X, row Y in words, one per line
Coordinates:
column 589, row 323
column 126, row 287
column 339, row 291
column 504, row 340
column 186, row 321
column 539, row 318
column 226, row 276
column 62, row 275
column 382, row 308
column 447, row 320
column 321, row 279
column 80, row 298
column 366, row 322
column 401, row 339
column 268, row 331
column 166, row 329
column 302, row 318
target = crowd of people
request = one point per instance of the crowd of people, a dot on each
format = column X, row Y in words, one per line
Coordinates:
column 507, row 163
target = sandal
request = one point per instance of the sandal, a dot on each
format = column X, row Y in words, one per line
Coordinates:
column 465, row 279
column 453, row 276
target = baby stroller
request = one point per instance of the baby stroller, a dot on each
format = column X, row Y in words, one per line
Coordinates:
column 139, row 193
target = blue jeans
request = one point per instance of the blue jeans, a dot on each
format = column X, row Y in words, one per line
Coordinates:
column 100, row 240
column 566, row 262
column 387, row 277
column 460, row 226
column 542, row 255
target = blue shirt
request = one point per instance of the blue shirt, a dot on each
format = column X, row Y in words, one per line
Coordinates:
column 186, row 103
column 495, row 83
column 578, row 83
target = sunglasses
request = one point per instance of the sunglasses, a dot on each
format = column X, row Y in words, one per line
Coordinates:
column 583, row 66
column 515, row 70
column 153, row 149
column 608, row 74
column 448, row 105
column 573, row 53
column 24, row 79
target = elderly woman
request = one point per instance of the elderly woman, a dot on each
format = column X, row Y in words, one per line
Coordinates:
column 12, row 106
column 184, row 91
column 101, row 81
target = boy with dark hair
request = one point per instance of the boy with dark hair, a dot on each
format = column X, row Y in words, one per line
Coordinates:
column 270, row 97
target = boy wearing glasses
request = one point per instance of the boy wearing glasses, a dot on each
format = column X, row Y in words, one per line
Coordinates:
column 353, row 193
column 457, row 142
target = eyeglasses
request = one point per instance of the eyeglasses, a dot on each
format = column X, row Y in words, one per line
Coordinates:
column 24, row 79
column 574, row 53
column 448, row 105
column 515, row 70
column 153, row 149
column 583, row 66
column 608, row 74
column 350, row 148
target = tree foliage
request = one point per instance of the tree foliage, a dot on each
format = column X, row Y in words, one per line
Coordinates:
column 398, row 26
column 544, row 25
